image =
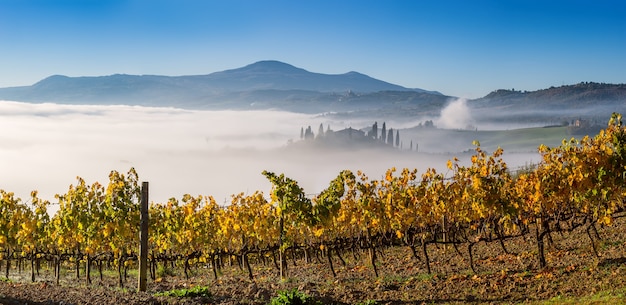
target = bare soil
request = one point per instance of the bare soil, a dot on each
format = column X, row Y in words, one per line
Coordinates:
column 501, row 278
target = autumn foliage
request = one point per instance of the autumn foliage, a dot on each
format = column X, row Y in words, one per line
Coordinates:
column 581, row 183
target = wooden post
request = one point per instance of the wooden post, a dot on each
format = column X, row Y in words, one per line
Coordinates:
column 444, row 232
column 143, row 239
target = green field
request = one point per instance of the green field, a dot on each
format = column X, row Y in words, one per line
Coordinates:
column 514, row 140
column 523, row 139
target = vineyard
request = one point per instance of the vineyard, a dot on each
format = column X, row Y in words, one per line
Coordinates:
column 578, row 186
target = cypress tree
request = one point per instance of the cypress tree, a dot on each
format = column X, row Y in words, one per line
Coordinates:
column 375, row 131
column 383, row 134
column 397, row 138
column 308, row 134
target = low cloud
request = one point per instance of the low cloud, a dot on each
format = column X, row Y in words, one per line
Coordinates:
column 45, row 146
column 218, row 153
column 455, row 115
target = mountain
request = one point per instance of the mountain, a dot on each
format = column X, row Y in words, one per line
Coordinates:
column 276, row 75
column 265, row 84
column 581, row 94
column 277, row 85
column 589, row 100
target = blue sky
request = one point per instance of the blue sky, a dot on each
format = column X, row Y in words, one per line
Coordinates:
column 460, row 48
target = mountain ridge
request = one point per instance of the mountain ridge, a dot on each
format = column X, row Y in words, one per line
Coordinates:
column 272, row 84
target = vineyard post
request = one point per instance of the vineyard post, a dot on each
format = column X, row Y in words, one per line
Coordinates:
column 143, row 239
column 444, row 232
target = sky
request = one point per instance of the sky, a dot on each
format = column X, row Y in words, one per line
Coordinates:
column 460, row 48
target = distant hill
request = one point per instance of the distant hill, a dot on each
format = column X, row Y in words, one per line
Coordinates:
column 581, row 94
column 262, row 85
column 277, row 85
column 276, row 75
column 589, row 100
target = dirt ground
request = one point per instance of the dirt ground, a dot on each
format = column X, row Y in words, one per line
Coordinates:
column 573, row 272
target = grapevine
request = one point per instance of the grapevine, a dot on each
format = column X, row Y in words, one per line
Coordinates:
column 577, row 184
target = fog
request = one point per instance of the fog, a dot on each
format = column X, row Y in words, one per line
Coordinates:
column 455, row 115
column 45, row 147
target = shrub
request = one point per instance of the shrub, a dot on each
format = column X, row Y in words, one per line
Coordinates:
column 164, row 270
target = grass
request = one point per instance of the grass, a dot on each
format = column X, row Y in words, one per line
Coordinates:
column 513, row 140
column 425, row 276
column 368, row 302
column 292, row 297
column 525, row 138
column 197, row 291
column 603, row 297
column 164, row 270
column 605, row 244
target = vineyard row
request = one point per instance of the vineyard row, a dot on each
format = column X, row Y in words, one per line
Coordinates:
column 579, row 184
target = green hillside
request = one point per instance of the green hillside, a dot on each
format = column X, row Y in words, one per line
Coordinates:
column 514, row 140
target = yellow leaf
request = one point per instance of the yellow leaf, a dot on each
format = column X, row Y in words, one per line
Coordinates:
column 607, row 220
column 399, row 234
